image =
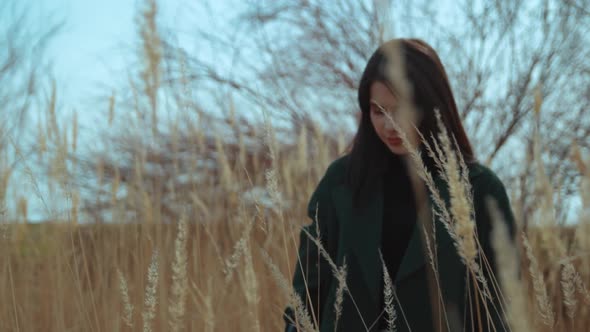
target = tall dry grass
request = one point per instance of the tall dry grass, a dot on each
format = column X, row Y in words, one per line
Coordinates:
column 75, row 276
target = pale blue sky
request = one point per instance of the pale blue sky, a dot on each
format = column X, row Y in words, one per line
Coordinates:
column 98, row 37
column 97, row 40
column 91, row 41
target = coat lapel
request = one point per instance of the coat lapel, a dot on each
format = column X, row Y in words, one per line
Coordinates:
column 415, row 256
column 360, row 234
column 359, row 240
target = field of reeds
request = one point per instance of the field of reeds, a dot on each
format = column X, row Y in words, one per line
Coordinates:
column 206, row 271
column 202, row 272
column 217, row 252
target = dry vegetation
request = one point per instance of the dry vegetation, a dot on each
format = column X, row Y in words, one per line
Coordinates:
column 200, row 233
column 210, row 274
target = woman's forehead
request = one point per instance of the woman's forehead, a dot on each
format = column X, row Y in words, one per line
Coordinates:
column 382, row 95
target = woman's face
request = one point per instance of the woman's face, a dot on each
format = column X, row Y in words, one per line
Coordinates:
column 383, row 100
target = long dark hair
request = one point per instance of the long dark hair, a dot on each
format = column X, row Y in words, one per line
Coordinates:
column 430, row 89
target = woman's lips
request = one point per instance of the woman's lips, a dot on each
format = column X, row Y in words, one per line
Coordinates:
column 394, row 140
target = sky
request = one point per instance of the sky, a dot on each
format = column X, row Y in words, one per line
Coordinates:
column 94, row 44
column 97, row 38
column 90, row 46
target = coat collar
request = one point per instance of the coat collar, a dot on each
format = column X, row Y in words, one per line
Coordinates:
column 362, row 227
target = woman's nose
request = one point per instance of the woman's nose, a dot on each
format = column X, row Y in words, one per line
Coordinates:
column 389, row 124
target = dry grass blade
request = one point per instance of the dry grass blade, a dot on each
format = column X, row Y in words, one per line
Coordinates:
column 582, row 288
column 150, row 301
column 240, row 248
column 582, row 236
column 507, row 263
column 205, row 305
column 339, row 273
column 340, row 293
column 179, row 287
column 568, row 287
column 127, row 306
column 303, row 322
column 461, row 209
column 388, row 296
column 440, row 210
column 251, row 290
column 543, row 301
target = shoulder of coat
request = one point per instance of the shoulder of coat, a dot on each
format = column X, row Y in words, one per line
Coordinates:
column 333, row 175
column 484, row 178
column 337, row 169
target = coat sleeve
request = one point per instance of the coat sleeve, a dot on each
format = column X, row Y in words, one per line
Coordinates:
column 493, row 188
column 312, row 277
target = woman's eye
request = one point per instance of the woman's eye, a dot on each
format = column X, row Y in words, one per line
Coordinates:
column 376, row 111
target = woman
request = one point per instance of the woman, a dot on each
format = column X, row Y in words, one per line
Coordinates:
column 366, row 210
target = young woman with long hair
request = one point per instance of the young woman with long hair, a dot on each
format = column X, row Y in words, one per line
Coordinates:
column 367, row 209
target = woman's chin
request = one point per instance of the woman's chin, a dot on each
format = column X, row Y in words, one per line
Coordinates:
column 397, row 149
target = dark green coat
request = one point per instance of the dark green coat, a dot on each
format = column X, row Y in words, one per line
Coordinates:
column 356, row 234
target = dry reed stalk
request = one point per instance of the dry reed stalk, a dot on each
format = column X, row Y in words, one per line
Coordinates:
column 582, row 235
column 465, row 183
column 322, row 153
column 52, row 127
column 227, row 180
column 581, row 287
column 302, row 149
column 568, row 287
column 397, row 75
column 508, row 267
column 436, row 154
column 545, row 214
column 200, row 205
column 432, row 258
column 29, row 173
column 340, row 292
column 115, row 186
column 179, row 287
column 571, row 280
column 339, row 273
column 272, row 173
column 388, row 297
column 111, row 114
column 150, row 301
column 341, row 141
column 543, row 302
column 13, row 298
column 207, row 305
column 152, row 52
column 461, row 209
column 251, row 289
column 41, row 140
column 440, row 209
column 303, row 321
column 75, row 131
column 240, row 248
column 127, row 306
column 86, row 271
column 242, row 149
